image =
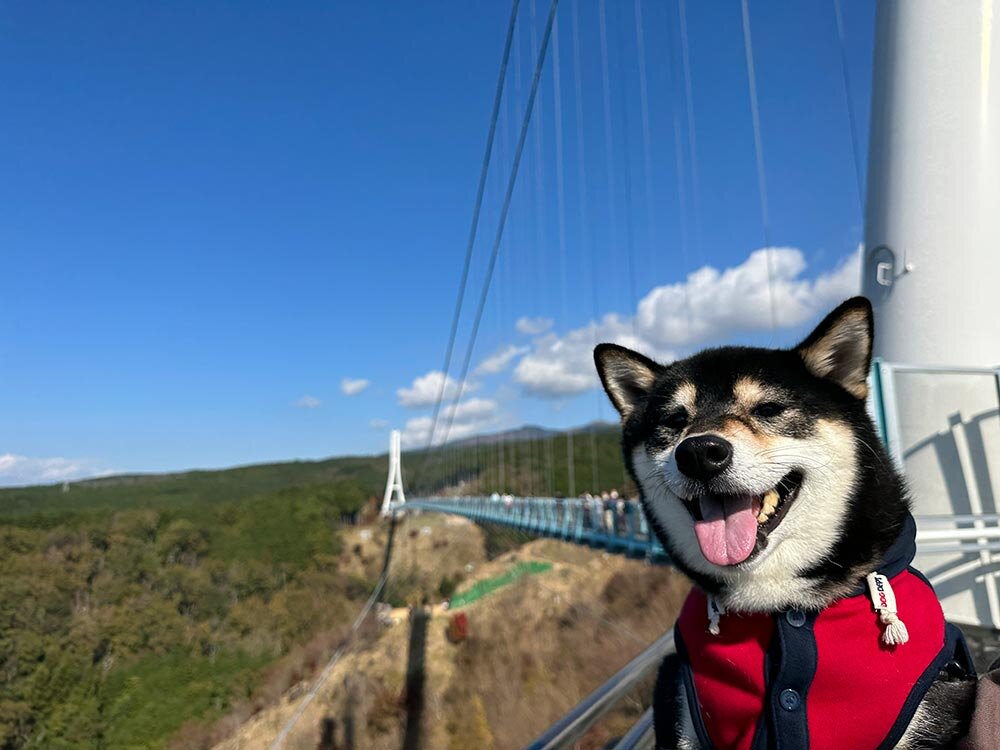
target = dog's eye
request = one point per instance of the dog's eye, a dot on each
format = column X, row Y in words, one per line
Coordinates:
column 677, row 420
column 768, row 409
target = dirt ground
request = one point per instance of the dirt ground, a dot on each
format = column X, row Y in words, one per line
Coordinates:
column 533, row 650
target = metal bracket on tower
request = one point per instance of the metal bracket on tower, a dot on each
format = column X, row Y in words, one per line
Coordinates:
column 394, row 485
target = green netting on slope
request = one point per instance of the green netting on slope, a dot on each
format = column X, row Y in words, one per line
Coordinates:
column 487, row 586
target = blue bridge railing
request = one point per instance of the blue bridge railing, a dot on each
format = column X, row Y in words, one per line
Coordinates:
column 620, row 528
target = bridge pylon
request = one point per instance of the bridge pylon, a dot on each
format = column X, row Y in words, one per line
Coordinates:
column 394, row 495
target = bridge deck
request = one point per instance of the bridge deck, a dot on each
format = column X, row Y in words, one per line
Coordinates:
column 622, row 530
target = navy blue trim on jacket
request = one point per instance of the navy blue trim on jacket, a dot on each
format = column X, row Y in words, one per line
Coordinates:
column 791, row 661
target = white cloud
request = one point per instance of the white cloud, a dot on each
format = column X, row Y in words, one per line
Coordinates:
column 378, row 424
column 470, row 417
column 308, row 402
column 353, row 386
column 713, row 305
column 708, row 307
column 472, row 410
column 500, row 360
column 533, row 326
column 21, row 470
column 564, row 366
column 417, row 431
column 425, row 389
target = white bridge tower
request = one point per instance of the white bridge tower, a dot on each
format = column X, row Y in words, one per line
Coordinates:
column 394, row 484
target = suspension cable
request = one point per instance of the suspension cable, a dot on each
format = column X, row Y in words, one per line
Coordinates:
column 640, row 43
column 680, row 177
column 474, row 228
column 759, row 152
column 691, row 130
column 538, row 205
column 609, row 152
column 627, row 182
column 849, row 99
column 491, row 267
column 561, row 206
column 584, row 229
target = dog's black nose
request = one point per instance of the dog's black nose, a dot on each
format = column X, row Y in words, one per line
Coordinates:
column 703, row 456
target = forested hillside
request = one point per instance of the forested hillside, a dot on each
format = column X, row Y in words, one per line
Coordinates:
column 136, row 609
column 118, row 627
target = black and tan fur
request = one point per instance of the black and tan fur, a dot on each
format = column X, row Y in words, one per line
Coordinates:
column 797, row 413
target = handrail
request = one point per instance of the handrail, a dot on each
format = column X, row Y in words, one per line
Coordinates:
column 624, row 530
column 963, row 547
column 938, row 535
column 957, row 536
column 942, row 369
column 959, row 518
column 573, row 520
column 585, row 714
column 884, row 404
column 641, row 736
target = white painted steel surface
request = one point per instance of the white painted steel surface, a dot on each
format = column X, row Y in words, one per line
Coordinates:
column 932, row 264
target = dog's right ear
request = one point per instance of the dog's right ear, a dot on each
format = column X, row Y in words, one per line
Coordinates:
column 627, row 376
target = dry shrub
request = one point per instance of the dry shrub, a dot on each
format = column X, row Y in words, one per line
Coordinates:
column 193, row 735
column 388, row 710
column 643, row 587
column 469, row 728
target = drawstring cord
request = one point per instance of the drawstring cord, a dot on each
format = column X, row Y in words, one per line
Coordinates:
column 715, row 611
column 884, row 601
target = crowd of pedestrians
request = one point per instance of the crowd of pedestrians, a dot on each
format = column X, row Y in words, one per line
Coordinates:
column 608, row 511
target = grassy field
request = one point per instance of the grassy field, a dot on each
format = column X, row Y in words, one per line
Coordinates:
column 487, row 586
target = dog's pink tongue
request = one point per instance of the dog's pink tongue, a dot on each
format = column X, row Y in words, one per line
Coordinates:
column 728, row 533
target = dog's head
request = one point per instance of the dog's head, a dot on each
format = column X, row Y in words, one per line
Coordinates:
column 749, row 461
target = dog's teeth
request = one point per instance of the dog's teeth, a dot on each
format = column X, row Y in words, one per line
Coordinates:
column 770, row 502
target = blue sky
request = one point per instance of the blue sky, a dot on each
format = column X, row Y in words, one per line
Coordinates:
column 215, row 213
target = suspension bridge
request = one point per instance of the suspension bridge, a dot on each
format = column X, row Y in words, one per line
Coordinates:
column 619, row 526
column 935, row 394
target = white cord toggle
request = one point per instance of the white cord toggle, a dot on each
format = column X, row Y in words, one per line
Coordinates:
column 715, row 611
column 884, row 601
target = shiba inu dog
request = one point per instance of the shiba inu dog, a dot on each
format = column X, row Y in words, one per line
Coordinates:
column 762, row 475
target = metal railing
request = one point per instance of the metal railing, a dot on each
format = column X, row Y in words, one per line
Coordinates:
column 571, row 727
column 959, row 533
column 885, row 407
column 624, row 529
column 620, row 529
column 641, row 735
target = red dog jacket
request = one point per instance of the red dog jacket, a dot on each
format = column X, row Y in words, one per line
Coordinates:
column 820, row 680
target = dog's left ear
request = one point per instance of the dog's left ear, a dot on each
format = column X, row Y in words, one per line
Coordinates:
column 840, row 349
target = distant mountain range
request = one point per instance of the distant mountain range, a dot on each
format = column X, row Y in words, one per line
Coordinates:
column 533, row 460
column 527, row 432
